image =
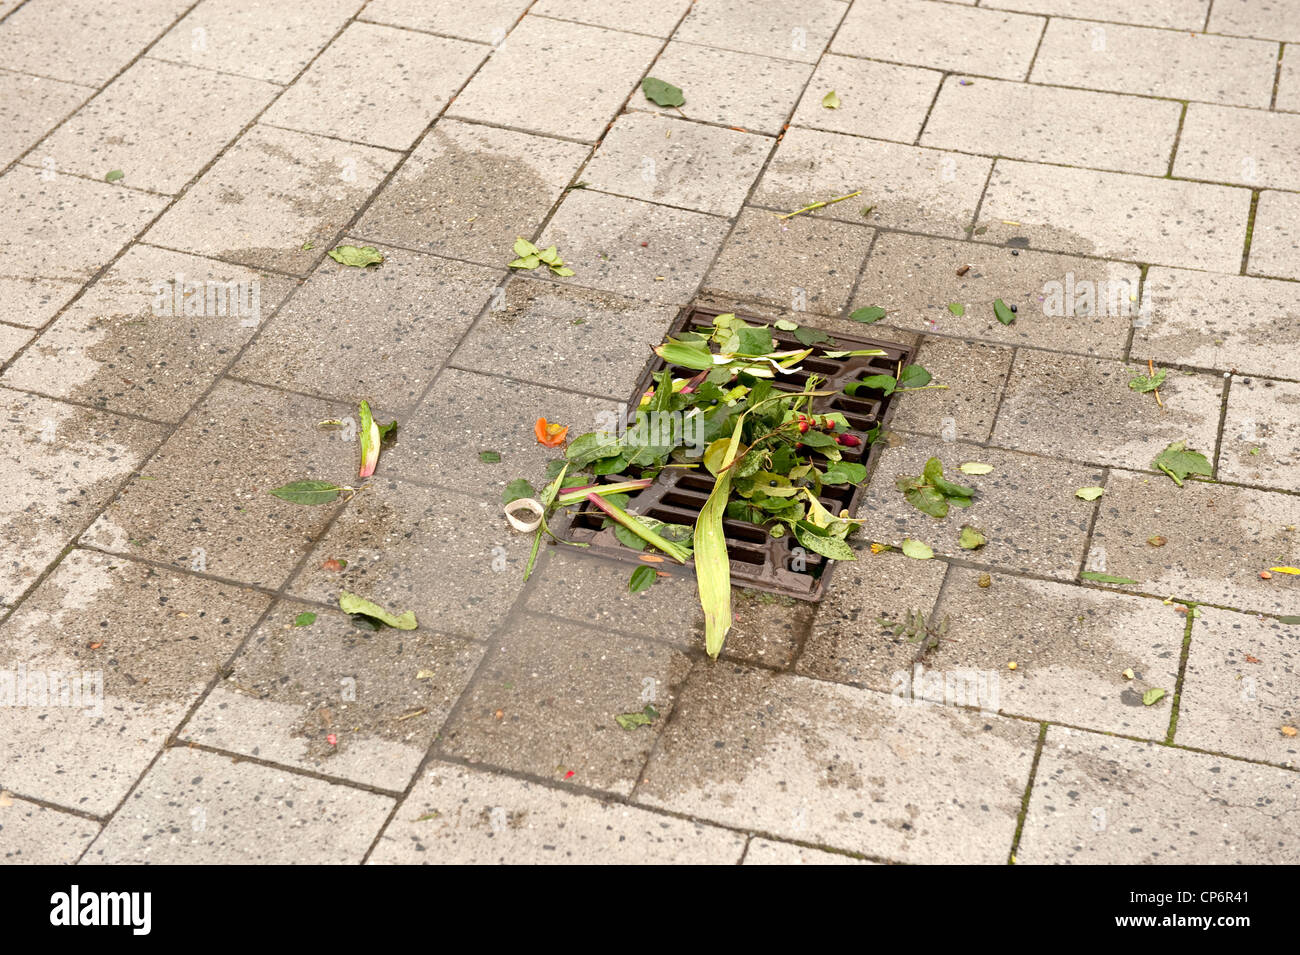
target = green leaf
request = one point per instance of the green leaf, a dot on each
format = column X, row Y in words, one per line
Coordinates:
column 593, row 446
column 974, row 467
column 868, row 315
column 845, row 472
column 524, row 262
column 1178, row 462
column 1105, row 578
column 957, row 308
column 971, row 539
column 1090, row 493
column 831, row 100
column 933, row 474
column 913, row 376
column 630, row 721
column 916, row 550
column 694, row 355
column 885, row 383
column 786, row 325
column 1152, row 696
column 754, row 341
column 828, row 546
column 551, row 256
column 309, row 492
column 812, row 336
column 351, row 603
column 562, row 270
column 517, row 490
column 490, row 457
column 356, row 257
column 926, row 500
column 523, row 248
column 712, row 566
column 371, row 438
column 304, row 620
column 662, row 93
column 643, row 578
column 1003, row 312
column 114, row 175
column 1144, row 384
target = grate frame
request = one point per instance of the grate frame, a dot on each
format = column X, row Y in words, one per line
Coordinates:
column 758, row 560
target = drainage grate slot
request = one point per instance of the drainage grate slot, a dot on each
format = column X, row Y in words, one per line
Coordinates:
column 757, row 559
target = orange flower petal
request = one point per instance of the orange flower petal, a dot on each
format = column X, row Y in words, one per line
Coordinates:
column 550, row 435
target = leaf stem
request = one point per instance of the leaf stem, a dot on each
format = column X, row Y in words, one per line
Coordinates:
column 820, row 205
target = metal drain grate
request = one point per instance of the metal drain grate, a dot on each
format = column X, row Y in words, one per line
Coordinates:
column 757, row 559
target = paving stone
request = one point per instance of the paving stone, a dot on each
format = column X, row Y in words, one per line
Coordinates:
column 1241, row 687
column 80, row 41
column 1275, row 242
column 1083, row 409
column 196, row 807
column 468, row 817
column 545, row 699
column 1174, row 14
column 980, row 41
column 566, row 337
column 754, row 748
column 1261, row 434
column 1113, row 215
column 132, row 125
column 1219, row 539
column 1098, row 799
column 634, row 248
column 1071, row 646
column 598, row 69
column 1049, row 124
column 1168, row 63
column 232, row 35
column 469, row 191
column 798, row 32
column 381, row 696
column 38, row 835
column 67, row 227
column 631, row 15
column 914, row 278
column 593, row 591
column 73, row 460
column 975, row 375
column 766, row 628
column 272, row 193
column 451, row 559
column 804, row 264
column 30, row 106
column 33, row 302
column 202, row 502
column 756, row 93
column 906, row 187
column 379, row 333
column 1288, row 79
column 767, row 852
column 1227, row 322
column 128, row 345
column 486, row 21
column 409, row 78
column 467, row 413
column 879, row 100
column 12, row 339
column 1026, row 507
column 133, row 647
column 1248, row 146
column 1268, row 19
column 847, row 644
column 677, row 163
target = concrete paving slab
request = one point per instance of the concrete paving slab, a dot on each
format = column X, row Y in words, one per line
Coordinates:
column 1275, row 241
column 39, row 835
column 487, row 21
column 1102, row 800
column 792, row 33
column 1250, row 147
column 879, row 100
column 1261, row 434
column 629, row 15
column 30, row 106
column 974, row 375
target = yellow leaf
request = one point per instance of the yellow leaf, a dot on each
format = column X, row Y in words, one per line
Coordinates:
column 1286, row 570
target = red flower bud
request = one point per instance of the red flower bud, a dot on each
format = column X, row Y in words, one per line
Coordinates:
column 848, row 440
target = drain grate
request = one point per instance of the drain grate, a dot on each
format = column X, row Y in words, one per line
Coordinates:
column 677, row 496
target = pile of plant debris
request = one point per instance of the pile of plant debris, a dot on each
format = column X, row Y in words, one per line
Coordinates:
column 723, row 403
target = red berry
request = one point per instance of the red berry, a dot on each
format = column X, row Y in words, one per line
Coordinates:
column 803, row 425
column 848, row 440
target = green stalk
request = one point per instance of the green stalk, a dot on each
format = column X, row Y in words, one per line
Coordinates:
column 614, row 512
column 712, row 565
column 575, row 495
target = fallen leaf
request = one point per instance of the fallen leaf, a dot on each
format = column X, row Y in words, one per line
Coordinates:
column 957, row 308
column 1157, row 541
column 356, row 257
column 1002, row 312
column 916, row 550
column 971, row 538
column 831, row 100
column 305, row 619
column 114, row 175
column 867, row 315
column 974, row 467
column 630, row 721
column 1152, row 696
column 1293, row 571
column 308, row 492
column 352, row 604
column 1105, row 578
column 662, row 93
column 1128, row 674
column 1090, row 493
column 334, row 563
column 490, row 457
column 642, row 579
column 425, row 675
column 1178, row 462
